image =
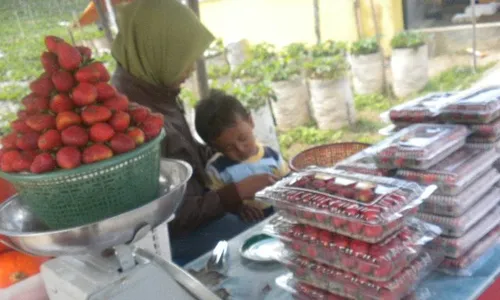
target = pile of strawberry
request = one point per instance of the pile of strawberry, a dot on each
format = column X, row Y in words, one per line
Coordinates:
column 73, row 116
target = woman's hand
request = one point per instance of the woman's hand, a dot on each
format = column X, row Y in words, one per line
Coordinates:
column 249, row 186
column 250, row 214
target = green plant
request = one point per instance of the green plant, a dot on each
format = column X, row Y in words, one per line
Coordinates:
column 296, row 51
column 215, row 72
column 364, row 47
column 216, row 48
column 372, row 102
column 253, row 96
column 282, row 69
column 13, row 92
column 263, row 52
column 407, row 39
column 332, row 68
column 455, row 78
column 250, row 69
column 188, row 97
column 329, row 48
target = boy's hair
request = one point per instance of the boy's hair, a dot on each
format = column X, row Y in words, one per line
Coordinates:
column 216, row 113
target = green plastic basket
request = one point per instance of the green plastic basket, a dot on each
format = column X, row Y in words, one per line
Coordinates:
column 94, row 192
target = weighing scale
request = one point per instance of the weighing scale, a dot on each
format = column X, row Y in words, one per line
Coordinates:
column 126, row 257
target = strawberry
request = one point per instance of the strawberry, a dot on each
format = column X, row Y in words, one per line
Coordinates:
column 338, row 222
column 75, row 136
column 7, row 160
column 101, row 132
column 84, row 94
column 63, row 81
column 49, row 62
column 373, row 231
column 378, row 250
column 28, row 141
column 20, row 126
column 355, row 227
column 41, row 122
column 348, row 262
column 325, row 237
column 137, row 135
column 352, row 211
column 371, row 215
column 311, row 233
column 364, row 268
column 69, row 57
column 120, row 121
column 359, row 248
column 23, row 163
column 153, row 125
column 340, row 241
column 85, row 52
column 69, row 158
column 66, row 119
column 312, row 251
column 9, row 141
column 43, row 163
column 42, row 86
column 60, row 103
column 35, row 104
column 105, row 91
column 140, row 114
column 102, row 70
column 429, row 178
column 88, row 74
column 118, row 103
column 95, row 153
column 22, row 114
column 383, row 270
column 95, row 114
column 51, row 43
column 50, row 140
column 121, row 143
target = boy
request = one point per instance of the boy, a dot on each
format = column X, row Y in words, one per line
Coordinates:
column 226, row 125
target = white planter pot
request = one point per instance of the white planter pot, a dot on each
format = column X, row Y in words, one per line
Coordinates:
column 291, row 108
column 332, row 103
column 238, row 53
column 367, row 73
column 264, row 130
column 409, row 70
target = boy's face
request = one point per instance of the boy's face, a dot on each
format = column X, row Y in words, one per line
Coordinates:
column 237, row 142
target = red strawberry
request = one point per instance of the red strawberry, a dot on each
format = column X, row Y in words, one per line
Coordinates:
column 101, row 132
column 84, row 94
column 42, row 86
column 22, row 115
column 20, row 126
column 373, row 231
column 60, row 103
column 75, row 136
column 338, row 222
column 121, row 143
column 312, row 233
column 69, row 158
column 371, row 215
column 340, row 241
column 50, row 140
column 28, row 141
column 378, row 250
column 85, row 52
column 88, row 74
column 69, row 57
column 364, row 268
column 348, row 262
column 43, row 163
column 9, row 141
column 118, row 103
column 137, row 135
column 355, row 227
column 140, row 114
column 63, row 81
column 51, row 43
column 95, row 114
column 41, row 122
column 384, row 269
column 95, row 153
column 120, row 121
column 312, row 251
column 359, row 247
column 352, row 211
column 105, row 91
column 35, row 104
column 325, row 237
column 153, row 125
column 22, row 164
column 66, row 119
column 8, row 158
column 102, row 70
column 49, row 62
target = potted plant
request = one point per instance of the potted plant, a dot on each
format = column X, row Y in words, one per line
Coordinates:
column 329, row 48
column 367, row 66
column 219, row 73
column 291, row 108
column 332, row 101
column 409, row 63
column 256, row 98
column 237, row 53
column 215, row 55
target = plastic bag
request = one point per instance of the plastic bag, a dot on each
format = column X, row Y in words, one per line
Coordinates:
column 364, row 207
column 409, row 70
column 291, row 107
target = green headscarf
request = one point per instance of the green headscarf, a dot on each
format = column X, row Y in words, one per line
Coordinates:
column 159, row 40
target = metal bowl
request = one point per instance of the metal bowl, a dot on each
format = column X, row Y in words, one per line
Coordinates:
column 23, row 231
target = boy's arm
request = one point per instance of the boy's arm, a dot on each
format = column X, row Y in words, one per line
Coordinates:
column 283, row 169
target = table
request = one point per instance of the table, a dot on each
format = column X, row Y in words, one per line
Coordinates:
column 256, row 281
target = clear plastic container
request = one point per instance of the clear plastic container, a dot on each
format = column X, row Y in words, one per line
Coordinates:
column 364, row 207
column 475, row 258
column 475, row 106
column 485, row 133
column 454, row 206
column 362, row 163
column 458, row 226
column 377, row 262
column 421, row 110
column 456, row 247
column 28, row 289
column 453, row 174
column 485, row 146
column 419, row 146
column 349, row 285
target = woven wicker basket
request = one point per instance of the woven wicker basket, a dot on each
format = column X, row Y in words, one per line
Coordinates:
column 325, row 155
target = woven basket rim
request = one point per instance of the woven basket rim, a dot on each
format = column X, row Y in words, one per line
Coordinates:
column 85, row 168
column 315, row 148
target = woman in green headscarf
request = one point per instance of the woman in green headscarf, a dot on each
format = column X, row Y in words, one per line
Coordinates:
column 156, row 48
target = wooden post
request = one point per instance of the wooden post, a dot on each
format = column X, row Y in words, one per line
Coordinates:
column 379, row 42
column 104, row 20
column 317, row 21
column 111, row 16
column 201, row 70
column 474, row 42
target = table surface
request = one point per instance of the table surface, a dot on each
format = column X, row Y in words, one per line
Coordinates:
column 251, row 280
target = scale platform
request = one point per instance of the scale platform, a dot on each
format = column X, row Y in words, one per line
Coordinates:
column 102, row 260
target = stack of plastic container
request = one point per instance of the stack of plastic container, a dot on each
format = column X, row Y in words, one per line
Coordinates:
column 465, row 204
column 353, row 234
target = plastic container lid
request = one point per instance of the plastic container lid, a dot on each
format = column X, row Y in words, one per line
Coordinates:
column 453, row 174
column 419, row 146
column 454, row 206
column 457, row 227
column 421, row 110
column 364, row 207
column 363, row 163
column 475, row 258
column 456, row 247
column 349, row 285
column 378, row 262
column 473, row 106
